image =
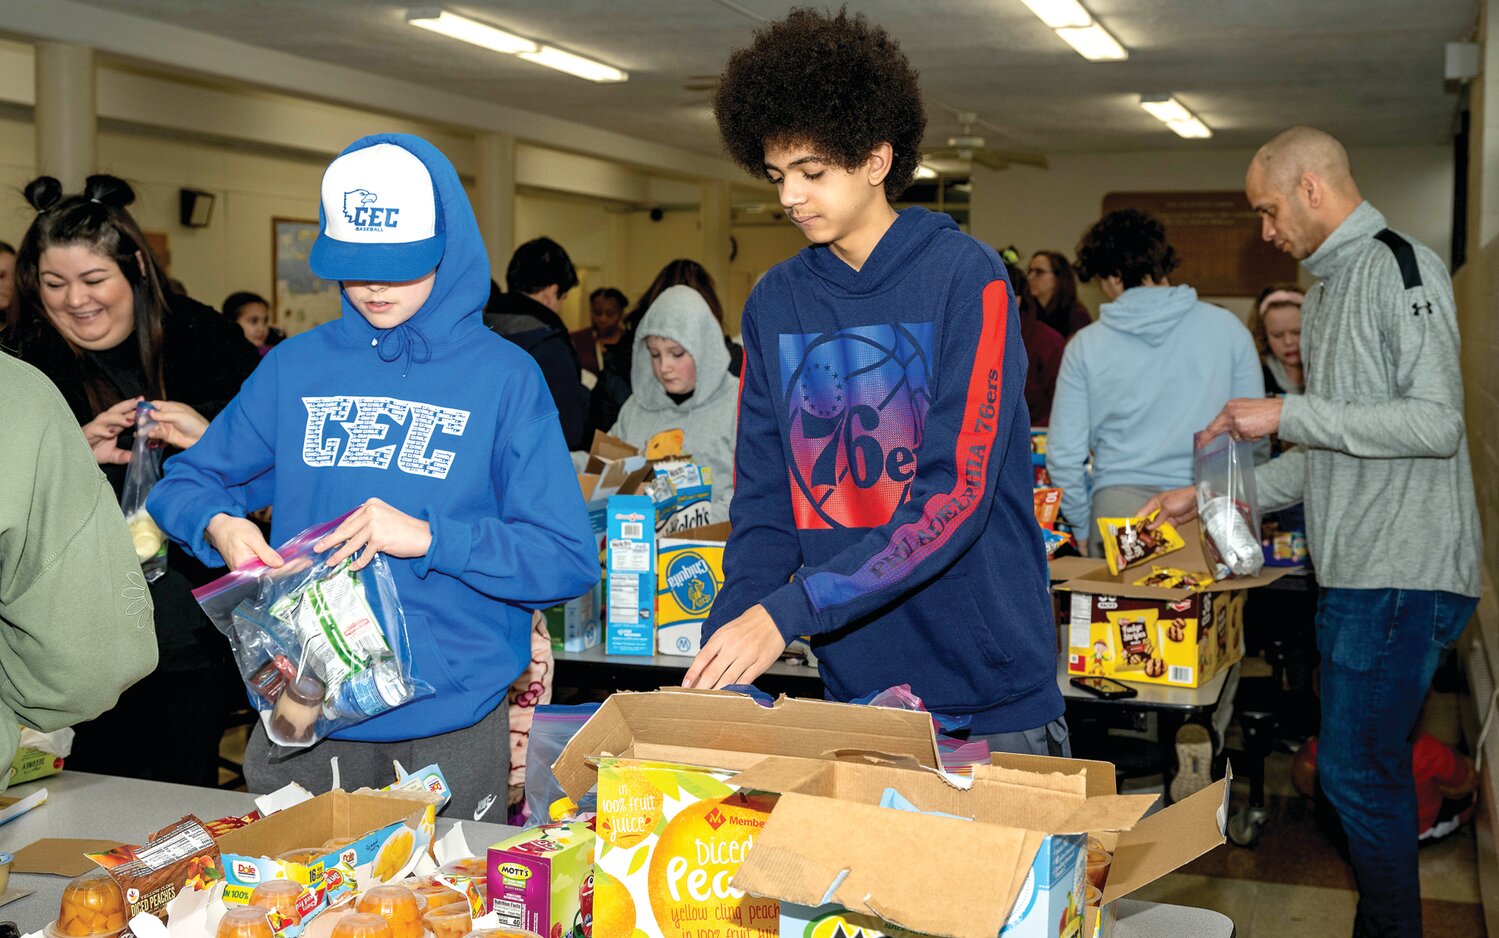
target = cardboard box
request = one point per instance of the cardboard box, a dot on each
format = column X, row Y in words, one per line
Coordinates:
column 724, row 730
column 689, row 574
column 631, row 575
column 670, row 839
column 368, row 835
column 1017, row 865
column 1151, row 635
column 541, row 880
column 574, row 625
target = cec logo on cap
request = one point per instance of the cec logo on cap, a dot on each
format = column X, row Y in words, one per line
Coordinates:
column 381, row 218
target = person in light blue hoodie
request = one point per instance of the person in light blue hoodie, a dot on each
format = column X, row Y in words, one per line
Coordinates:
column 1135, row 386
column 443, row 438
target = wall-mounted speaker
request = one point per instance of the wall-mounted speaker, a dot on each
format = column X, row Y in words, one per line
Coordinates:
column 196, row 207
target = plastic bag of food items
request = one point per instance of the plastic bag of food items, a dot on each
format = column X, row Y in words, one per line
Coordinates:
column 144, row 472
column 320, row 648
column 1227, row 506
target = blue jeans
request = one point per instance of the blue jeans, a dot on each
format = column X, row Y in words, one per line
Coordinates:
column 1379, row 650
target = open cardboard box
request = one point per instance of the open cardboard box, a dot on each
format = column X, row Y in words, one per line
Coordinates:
column 380, row 835
column 829, row 846
column 689, row 574
column 1208, row 635
column 725, row 730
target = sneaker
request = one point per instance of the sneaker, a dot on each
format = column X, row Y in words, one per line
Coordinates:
column 1194, row 762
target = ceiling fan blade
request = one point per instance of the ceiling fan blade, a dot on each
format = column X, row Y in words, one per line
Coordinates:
column 1023, row 157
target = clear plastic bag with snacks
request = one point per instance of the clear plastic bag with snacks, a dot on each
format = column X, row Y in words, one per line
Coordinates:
column 320, row 648
column 143, row 472
column 1227, row 507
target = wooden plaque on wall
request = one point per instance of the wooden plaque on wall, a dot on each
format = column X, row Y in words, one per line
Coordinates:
column 1216, row 236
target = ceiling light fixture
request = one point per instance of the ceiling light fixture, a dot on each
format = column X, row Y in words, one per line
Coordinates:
column 1094, row 43
column 924, row 171
column 1060, row 13
column 1174, row 114
column 470, row 31
column 1076, row 26
column 456, row 26
column 572, row 64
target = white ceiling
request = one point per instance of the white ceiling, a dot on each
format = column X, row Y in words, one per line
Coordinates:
column 1369, row 71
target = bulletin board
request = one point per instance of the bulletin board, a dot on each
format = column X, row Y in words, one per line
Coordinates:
column 1216, row 236
column 301, row 300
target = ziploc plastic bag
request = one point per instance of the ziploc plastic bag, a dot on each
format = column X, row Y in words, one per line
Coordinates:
column 1227, row 505
column 144, row 472
column 320, row 648
column 552, row 727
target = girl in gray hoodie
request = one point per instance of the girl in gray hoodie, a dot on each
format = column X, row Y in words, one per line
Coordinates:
column 680, row 373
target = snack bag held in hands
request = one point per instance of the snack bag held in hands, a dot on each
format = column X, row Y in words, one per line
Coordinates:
column 143, row 472
column 1131, row 541
column 320, row 648
column 1223, row 475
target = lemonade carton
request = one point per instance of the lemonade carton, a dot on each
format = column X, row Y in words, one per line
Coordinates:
column 670, row 839
column 541, row 880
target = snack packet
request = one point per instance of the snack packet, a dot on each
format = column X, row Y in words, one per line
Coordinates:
column 319, row 648
column 141, row 475
column 1131, row 541
column 1223, row 475
column 1171, row 578
column 1136, row 638
column 1048, row 506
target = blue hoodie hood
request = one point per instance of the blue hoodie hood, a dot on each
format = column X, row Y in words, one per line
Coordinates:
column 1149, row 313
column 456, row 305
column 910, row 233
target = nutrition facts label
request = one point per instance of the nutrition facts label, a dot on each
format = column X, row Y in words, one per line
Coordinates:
column 624, row 600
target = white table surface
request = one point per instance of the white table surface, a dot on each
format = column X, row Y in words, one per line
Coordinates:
column 80, row 805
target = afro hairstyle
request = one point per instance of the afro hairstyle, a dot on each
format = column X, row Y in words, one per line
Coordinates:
column 1129, row 244
column 833, row 82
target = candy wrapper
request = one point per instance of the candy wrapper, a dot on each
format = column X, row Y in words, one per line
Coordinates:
column 1131, row 541
column 144, row 472
column 320, row 648
column 1137, row 645
column 1223, row 475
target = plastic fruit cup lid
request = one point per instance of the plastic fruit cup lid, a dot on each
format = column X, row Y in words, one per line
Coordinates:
column 245, row 920
column 361, row 925
column 278, row 887
column 454, row 910
column 383, row 900
column 468, row 866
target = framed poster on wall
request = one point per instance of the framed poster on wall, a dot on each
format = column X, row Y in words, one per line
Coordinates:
column 302, row 300
column 1217, row 236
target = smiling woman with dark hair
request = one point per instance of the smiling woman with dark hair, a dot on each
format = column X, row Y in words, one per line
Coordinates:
column 107, row 333
column 1049, row 280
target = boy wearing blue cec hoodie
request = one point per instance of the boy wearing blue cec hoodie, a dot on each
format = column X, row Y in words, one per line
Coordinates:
column 445, row 437
column 883, row 496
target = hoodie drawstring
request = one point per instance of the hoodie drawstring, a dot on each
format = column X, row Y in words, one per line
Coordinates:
column 409, row 342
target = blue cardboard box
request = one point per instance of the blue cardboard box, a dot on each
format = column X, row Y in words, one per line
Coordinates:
column 630, row 622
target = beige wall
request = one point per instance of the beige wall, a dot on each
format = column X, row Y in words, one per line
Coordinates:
column 1036, row 209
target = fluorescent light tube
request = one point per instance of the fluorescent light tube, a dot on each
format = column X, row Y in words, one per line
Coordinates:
column 470, row 31
column 1094, row 43
column 562, row 61
column 924, row 171
column 1060, row 13
column 1164, row 108
column 1192, row 129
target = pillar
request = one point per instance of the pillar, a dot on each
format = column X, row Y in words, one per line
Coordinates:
column 713, row 229
column 66, row 125
column 495, row 192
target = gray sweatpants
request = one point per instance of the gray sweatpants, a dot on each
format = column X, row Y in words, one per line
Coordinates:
column 475, row 760
column 1052, row 739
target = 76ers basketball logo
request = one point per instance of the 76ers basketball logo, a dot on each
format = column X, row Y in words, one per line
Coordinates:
column 857, row 401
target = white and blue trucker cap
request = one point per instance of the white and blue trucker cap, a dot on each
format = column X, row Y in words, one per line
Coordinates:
column 381, row 218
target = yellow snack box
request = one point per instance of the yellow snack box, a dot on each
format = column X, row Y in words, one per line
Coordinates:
column 670, row 839
column 1130, row 541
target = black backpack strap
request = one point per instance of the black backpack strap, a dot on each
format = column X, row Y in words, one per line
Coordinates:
column 1405, row 256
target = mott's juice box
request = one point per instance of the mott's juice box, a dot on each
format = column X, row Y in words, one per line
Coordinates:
column 670, row 839
column 541, row 881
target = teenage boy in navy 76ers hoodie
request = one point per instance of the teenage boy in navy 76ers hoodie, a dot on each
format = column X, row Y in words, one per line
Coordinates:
column 883, row 483
column 445, row 437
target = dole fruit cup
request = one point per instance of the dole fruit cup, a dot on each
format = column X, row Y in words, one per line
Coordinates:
column 1099, row 861
column 400, row 907
column 449, row 921
column 361, row 925
column 279, row 896
column 247, row 921
column 92, row 907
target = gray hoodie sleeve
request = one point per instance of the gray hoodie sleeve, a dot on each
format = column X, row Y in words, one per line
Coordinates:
column 1281, row 482
column 1424, row 418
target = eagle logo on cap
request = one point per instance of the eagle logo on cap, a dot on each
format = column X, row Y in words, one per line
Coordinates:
column 355, row 198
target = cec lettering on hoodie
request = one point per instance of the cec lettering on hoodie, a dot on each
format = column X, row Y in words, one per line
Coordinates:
column 445, row 421
column 883, row 483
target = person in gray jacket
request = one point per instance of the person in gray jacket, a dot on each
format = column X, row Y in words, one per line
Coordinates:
column 1381, row 464
column 680, row 372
